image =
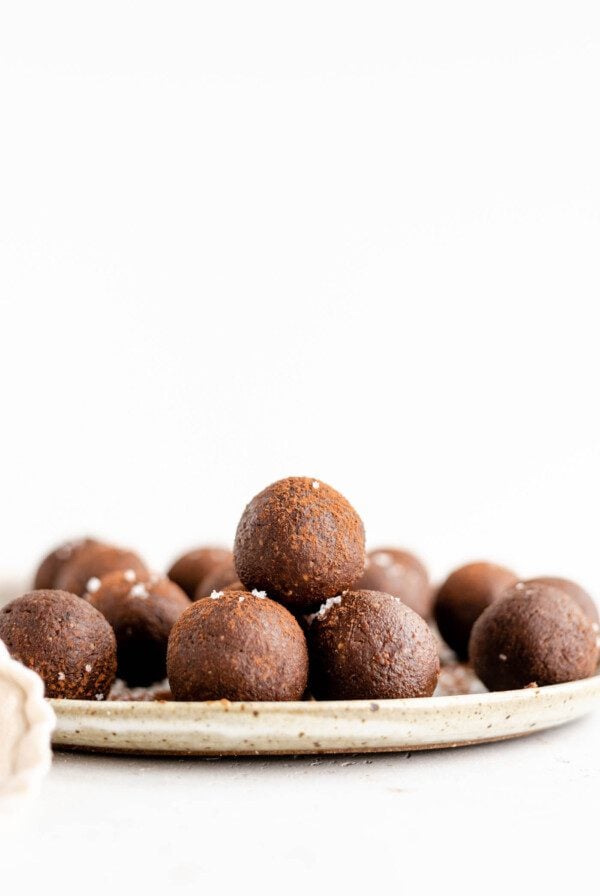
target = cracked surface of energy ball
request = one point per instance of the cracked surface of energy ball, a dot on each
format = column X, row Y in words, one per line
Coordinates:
column 142, row 612
column 365, row 645
column 535, row 635
column 96, row 561
column 237, row 646
column 401, row 574
column 190, row 568
column 46, row 575
column 65, row 640
column 300, row 541
column 463, row 597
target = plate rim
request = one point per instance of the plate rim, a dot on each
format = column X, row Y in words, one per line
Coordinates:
column 223, row 728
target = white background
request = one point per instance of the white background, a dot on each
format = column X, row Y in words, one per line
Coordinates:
column 355, row 241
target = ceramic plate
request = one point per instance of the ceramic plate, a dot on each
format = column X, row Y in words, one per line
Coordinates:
column 355, row 726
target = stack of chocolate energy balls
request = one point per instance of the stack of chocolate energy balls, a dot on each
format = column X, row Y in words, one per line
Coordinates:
column 297, row 610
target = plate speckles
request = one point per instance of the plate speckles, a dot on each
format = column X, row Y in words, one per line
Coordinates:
column 356, row 726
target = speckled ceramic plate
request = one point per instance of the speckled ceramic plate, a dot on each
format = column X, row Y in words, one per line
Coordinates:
column 360, row 726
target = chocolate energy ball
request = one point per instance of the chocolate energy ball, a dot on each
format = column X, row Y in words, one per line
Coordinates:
column 96, row 561
column 237, row 586
column 237, row 646
column 47, row 572
column 219, row 578
column 366, row 645
column 535, row 635
column 463, row 597
column 66, row 641
column 576, row 592
column 142, row 612
column 400, row 574
column 189, row 569
column 300, row 541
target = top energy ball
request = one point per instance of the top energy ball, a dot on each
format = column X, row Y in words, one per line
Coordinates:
column 301, row 542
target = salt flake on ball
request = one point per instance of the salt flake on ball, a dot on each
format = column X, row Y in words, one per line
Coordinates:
column 139, row 590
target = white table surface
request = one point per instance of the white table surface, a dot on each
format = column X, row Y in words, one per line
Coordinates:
column 475, row 819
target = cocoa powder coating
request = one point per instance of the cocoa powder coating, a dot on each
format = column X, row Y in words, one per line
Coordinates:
column 535, row 633
column 463, row 597
column 370, row 646
column 142, row 612
column 65, row 640
column 238, row 647
column 300, row 541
